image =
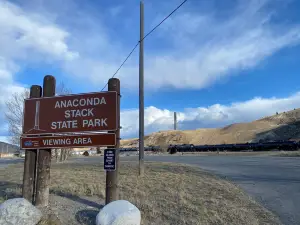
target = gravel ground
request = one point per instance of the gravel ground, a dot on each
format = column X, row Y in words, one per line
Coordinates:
column 81, row 210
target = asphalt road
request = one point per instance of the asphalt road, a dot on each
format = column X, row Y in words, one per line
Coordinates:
column 4, row 162
column 272, row 181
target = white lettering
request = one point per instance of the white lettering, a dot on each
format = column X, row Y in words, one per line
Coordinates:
column 89, row 101
column 103, row 122
column 80, row 102
column 57, row 104
column 96, row 101
column 74, row 124
column 84, row 112
column 63, row 104
column 94, row 123
column 90, row 112
column 103, row 101
column 91, row 124
column 53, row 125
column 75, row 102
column 79, row 113
column 61, row 141
column 84, row 123
column 68, row 141
column 89, row 141
column 64, row 124
column 67, row 114
column 97, row 123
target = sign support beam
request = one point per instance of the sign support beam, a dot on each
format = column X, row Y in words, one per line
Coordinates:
column 44, row 157
column 112, row 186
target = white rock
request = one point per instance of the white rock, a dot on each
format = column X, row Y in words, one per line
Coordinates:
column 119, row 212
column 19, row 211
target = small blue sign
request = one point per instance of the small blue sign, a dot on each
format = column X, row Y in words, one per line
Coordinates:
column 28, row 143
column 110, row 159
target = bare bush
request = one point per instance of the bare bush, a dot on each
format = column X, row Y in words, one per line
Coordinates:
column 14, row 114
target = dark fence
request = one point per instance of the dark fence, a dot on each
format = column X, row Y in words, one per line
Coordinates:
column 264, row 146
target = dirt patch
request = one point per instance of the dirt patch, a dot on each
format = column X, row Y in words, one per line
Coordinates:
column 168, row 194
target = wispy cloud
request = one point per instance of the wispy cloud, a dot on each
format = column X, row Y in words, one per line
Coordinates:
column 207, row 48
column 204, row 48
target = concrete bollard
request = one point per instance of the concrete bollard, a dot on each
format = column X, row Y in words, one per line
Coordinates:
column 119, row 212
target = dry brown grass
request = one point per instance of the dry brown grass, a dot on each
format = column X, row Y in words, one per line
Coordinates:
column 167, row 194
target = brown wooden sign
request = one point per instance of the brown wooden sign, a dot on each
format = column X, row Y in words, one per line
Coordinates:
column 71, row 113
column 70, row 141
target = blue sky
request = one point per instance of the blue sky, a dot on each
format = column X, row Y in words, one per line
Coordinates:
column 214, row 62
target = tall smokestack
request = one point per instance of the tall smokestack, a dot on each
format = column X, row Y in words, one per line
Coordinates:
column 175, row 121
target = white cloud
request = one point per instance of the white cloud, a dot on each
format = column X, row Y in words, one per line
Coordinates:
column 203, row 117
column 23, row 33
column 26, row 38
column 208, row 48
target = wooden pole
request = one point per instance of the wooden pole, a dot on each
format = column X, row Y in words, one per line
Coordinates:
column 44, row 157
column 141, row 93
column 112, row 188
column 28, row 190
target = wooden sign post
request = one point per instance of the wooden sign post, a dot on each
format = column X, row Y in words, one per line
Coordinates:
column 112, row 186
column 66, row 122
column 30, row 159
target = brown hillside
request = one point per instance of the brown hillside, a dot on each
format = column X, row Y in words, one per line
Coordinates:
column 283, row 126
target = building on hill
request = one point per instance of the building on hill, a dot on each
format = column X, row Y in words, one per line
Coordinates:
column 8, row 148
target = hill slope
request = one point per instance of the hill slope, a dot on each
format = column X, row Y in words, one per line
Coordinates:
column 283, row 126
column 7, row 148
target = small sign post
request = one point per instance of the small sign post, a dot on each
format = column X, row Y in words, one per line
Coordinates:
column 110, row 159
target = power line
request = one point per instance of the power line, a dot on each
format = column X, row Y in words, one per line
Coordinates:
column 122, row 64
column 164, row 19
column 143, row 39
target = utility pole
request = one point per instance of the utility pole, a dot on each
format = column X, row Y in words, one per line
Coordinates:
column 141, row 92
column 175, row 121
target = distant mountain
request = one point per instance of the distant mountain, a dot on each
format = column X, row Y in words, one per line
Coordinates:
column 8, row 148
column 282, row 126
